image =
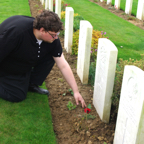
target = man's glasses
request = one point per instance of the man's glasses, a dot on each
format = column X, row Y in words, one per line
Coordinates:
column 54, row 36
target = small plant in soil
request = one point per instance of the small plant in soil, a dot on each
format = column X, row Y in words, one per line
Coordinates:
column 60, row 79
column 71, row 106
column 70, row 90
column 64, row 94
column 123, row 13
column 36, row 5
column 39, row 11
column 89, row 116
column 131, row 18
column 80, row 125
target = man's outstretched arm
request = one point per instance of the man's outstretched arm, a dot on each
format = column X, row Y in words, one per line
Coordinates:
column 68, row 75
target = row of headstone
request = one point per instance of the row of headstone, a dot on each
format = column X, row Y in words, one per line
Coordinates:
column 130, row 120
column 49, row 5
column 128, row 7
column 84, row 46
column 105, row 67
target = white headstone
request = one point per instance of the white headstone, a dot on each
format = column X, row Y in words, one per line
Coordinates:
column 101, row 0
column 109, row 1
column 47, row 4
column 117, row 4
column 58, row 8
column 130, row 119
column 42, row 2
column 104, row 77
column 128, row 7
column 84, row 47
column 68, row 37
column 51, row 5
column 140, row 9
column 143, row 12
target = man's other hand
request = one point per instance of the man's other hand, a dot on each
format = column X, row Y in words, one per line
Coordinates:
column 78, row 98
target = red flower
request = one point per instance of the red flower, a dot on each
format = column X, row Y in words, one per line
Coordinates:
column 87, row 110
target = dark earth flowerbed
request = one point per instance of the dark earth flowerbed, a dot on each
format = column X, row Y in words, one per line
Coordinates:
column 70, row 126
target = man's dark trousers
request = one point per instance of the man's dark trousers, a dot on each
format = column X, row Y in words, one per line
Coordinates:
column 14, row 87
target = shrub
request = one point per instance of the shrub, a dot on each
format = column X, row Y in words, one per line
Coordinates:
column 62, row 14
column 95, row 36
column 63, row 6
column 118, row 81
column 76, row 25
column 62, row 32
column 75, row 43
column 92, row 72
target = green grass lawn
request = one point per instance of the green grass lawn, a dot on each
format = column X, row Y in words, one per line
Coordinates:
column 13, row 7
column 30, row 121
column 26, row 122
column 119, row 31
column 123, row 3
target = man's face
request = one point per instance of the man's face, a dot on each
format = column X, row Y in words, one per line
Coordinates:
column 49, row 36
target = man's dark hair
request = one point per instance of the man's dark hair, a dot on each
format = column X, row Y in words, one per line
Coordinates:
column 48, row 20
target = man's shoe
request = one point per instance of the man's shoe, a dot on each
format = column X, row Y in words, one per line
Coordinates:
column 36, row 88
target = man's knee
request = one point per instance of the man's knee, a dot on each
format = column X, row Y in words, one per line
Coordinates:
column 18, row 99
column 10, row 96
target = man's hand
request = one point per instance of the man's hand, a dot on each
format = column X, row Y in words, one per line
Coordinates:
column 68, row 75
column 78, row 98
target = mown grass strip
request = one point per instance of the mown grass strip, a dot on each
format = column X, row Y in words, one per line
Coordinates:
column 119, row 31
column 30, row 121
column 17, row 7
column 26, row 122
